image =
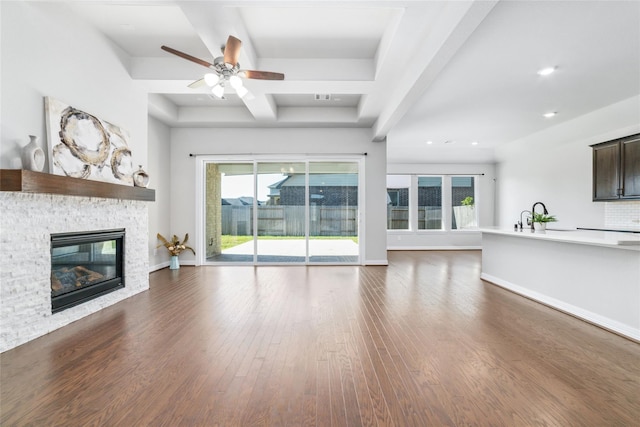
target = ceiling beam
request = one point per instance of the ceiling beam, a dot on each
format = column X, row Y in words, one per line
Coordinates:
column 455, row 24
column 161, row 108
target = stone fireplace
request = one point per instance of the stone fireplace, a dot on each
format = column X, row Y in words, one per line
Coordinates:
column 27, row 222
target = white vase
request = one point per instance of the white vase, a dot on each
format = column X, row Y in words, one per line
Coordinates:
column 540, row 226
column 32, row 155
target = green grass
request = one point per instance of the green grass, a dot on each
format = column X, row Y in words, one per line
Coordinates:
column 231, row 241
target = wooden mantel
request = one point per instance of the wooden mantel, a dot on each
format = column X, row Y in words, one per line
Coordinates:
column 27, row 181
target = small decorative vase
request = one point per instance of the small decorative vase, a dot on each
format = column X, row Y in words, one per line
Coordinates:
column 32, row 155
column 175, row 263
column 140, row 178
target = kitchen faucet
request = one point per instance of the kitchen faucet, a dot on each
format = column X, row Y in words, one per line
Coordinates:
column 533, row 211
column 530, row 216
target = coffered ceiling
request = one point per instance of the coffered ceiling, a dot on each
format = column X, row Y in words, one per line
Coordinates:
column 412, row 71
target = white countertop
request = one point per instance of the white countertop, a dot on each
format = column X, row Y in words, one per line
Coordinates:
column 585, row 237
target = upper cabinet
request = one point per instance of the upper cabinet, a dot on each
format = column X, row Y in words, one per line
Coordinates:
column 616, row 169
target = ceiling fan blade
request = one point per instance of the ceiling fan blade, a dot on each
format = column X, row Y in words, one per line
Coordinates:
column 232, row 50
column 187, row 57
column 198, row 83
column 262, row 75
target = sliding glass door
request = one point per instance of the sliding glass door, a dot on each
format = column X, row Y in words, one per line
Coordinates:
column 281, row 212
column 333, row 212
column 229, row 189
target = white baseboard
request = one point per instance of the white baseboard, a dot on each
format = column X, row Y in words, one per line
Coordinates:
column 433, row 248
column 588, row 316
column 376, row 262
column 157, row 267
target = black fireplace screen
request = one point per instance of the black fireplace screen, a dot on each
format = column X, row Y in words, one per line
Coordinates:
column 85, row 266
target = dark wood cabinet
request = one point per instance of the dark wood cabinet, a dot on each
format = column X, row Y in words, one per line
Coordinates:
column 631, row 167
column 616, row 169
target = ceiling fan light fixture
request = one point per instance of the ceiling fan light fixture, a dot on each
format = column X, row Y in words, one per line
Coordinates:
column 211, row 79
column 241, row 91
column 218, row 91
column 235, row 82
column 226, row 69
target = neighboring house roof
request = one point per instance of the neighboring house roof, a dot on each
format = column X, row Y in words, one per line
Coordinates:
column 277, row 185
column 462, row 181
column 240, row 201
column 320, row 180
column 436, row 181
column 429, row 181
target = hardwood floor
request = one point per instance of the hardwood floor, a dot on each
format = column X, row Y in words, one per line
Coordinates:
column 422, row 342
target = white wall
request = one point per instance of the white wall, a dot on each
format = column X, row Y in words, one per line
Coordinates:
column 275, row 142
column 455, row 239
column 47, row 51
column 159, row 170
column 555, row 166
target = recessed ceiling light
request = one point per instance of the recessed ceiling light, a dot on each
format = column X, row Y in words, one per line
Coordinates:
column 474, row 143
column 429, row 142
column 550, row 114
column 547, row 71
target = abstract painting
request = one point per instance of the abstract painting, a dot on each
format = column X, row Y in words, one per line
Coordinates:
column 83, row 146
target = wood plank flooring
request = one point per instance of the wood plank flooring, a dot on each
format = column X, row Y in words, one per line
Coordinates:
column 422, row 342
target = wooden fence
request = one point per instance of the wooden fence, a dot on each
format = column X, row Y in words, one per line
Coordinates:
column 324, row 220
column 429, row 218
column 290, row 220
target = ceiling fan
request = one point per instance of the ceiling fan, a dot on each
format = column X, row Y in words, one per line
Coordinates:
column 226, row 70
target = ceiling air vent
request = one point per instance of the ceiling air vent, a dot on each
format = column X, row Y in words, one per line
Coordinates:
column 323, row 96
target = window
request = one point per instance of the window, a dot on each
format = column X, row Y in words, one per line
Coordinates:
column 430, row 203
column 398, row 202
column 463, row 202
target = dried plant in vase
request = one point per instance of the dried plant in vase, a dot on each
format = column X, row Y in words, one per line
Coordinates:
column 175, row 246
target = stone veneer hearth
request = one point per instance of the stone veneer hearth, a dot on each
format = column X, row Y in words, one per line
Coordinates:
column 26, row 222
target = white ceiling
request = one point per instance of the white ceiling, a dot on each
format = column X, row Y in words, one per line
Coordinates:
column 412, row 71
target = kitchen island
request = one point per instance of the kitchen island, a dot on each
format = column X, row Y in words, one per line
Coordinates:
column 593, row 275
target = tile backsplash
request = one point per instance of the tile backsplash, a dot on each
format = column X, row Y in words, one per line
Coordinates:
column 622, row 214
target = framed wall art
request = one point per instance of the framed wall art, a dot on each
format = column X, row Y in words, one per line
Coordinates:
column 83, row 146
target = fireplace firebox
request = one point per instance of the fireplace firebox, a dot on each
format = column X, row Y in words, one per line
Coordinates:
column 85, row 266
